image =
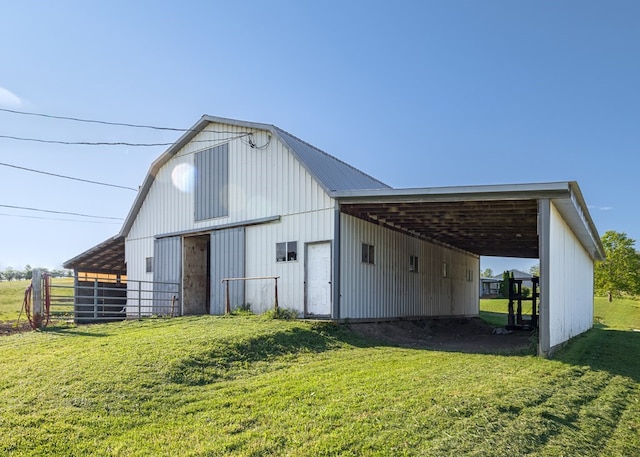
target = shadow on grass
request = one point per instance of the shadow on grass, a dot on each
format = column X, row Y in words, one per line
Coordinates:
column 72, row 331
column 612, row 350
column 228, row 359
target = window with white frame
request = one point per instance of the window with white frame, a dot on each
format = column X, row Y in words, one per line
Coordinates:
column 368, row 253
column 287, row 251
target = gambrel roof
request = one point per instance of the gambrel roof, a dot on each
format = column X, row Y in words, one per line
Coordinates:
column 332, row 174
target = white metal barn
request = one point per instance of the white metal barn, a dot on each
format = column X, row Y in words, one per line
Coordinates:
column 235, row 199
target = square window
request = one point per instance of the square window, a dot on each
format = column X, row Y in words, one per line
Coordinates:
column 287, row 252
column 368, row 253
column 149, row 264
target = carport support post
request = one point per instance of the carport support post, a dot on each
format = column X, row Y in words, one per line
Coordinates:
column 544, row 234
column 36, row 296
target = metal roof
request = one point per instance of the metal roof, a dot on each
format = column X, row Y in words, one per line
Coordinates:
column 332, row 173
column 106, row 257
column 495, row 220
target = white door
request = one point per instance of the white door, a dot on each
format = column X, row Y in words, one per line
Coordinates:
column 318, row 279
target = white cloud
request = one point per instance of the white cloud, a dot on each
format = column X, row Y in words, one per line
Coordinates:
column 8, row 99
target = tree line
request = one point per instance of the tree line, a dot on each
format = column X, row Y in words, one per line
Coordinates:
column 12, row 274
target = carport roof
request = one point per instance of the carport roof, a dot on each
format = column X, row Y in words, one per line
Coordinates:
column 493, row 220
column 106, row 257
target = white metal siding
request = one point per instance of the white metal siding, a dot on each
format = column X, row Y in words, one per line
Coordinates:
column 388, row 289
column 570, row 283
column 260, row 255
column 262, row 183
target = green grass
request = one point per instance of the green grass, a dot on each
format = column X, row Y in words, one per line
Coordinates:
column 251, row 386
column 12, row 296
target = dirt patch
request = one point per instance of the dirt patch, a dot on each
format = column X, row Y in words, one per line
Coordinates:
column 457, row 335
column 9, row 328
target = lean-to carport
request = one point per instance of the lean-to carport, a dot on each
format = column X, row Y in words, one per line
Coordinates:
column 548, row 221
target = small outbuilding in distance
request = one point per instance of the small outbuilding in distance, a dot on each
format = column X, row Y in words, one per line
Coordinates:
column 236, row 199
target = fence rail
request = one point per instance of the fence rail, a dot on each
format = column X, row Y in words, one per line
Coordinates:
column 98, row 300
column 227, row 302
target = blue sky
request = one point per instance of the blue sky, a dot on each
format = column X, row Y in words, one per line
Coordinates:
column 415, row 93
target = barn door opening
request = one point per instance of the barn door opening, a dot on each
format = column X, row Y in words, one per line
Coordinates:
column 196, row 275
column 318, row 279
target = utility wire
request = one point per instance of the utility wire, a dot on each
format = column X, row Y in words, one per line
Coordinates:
column 93, row 121
column 67, row 177
column 115, row 143
column 83, row 143
column 120, row 124
column 61, row 212
column 57, row 219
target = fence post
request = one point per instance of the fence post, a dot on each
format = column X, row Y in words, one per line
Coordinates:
column 139, row 299
column 95, row 298
column 36, row 296
column 276, row 279
column 227, row 306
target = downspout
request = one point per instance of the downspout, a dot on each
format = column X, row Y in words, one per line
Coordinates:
column 544, row 232
column 335, row 268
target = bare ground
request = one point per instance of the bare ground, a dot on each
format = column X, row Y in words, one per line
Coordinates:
column 456, row 335
column 8, row 328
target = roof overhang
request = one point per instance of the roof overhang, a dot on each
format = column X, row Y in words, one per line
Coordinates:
column 106, row 257
column 494, row 220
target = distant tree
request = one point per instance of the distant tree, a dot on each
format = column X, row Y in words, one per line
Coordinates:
column 504, row 285
column 619, row 273
column 9, row 273
column 28, row 272
column 487, row 273
column 535, row 270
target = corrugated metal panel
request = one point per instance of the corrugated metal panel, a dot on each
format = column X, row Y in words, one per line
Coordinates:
column 330, row 171
column 137, row 251
column 167, row 268
column 303, row 228
column 570, row 283
column 212, row 183
column 388, row 289
column 227, row 261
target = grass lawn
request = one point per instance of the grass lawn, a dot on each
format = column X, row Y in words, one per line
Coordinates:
column 250, row 386
column 12, row 296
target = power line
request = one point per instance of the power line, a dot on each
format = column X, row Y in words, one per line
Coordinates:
column 67, row 177
column 57, row 219
column 93, row 121
column 120, row 124
column 83, row 143
column 61, row 212
column 119, row 143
